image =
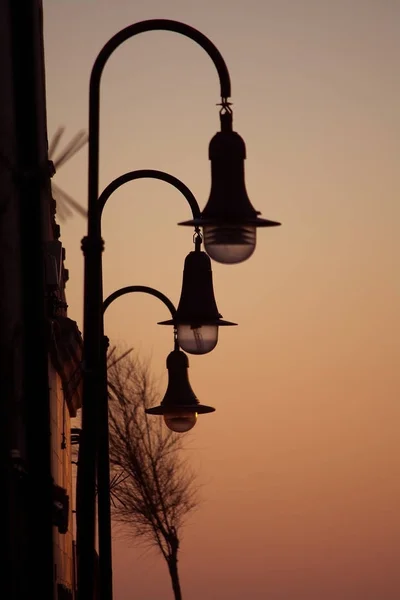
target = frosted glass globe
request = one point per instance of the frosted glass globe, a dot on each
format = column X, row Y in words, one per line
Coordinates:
column 197, row 340
column 229, row 244
column 180, row 421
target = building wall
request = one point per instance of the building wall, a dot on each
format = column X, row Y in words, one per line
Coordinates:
column 61, row 468
column 40, row 348
column 65, row 399
column 14, row 526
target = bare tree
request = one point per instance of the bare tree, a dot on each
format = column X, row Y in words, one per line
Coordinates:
column 152, row 487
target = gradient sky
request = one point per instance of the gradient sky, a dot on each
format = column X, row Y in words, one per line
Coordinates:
column 300, row 464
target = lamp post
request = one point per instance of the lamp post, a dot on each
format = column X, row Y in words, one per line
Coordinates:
column 229, row 224
column 179, row 407
column 196, row 316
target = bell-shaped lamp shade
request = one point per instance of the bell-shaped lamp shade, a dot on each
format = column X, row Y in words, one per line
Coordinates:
column 179, row 407
column 229, row 220
column 197, row 318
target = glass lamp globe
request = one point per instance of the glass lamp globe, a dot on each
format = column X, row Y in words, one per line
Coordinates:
column 180, row 421
column 229, row 244
column 197, row 339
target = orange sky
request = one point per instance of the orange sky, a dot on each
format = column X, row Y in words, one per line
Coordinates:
column 300, row 462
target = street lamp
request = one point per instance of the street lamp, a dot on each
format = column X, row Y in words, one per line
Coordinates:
column 229, row 220
column 197, row 313
column 179, row 407
column 228, row 224
column 197, row 318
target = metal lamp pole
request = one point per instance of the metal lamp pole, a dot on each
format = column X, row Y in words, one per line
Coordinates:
column 92, row 246
column 103, row 459
column 103, row 464
column 229, row 223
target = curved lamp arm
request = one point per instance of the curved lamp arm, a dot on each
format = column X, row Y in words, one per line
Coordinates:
column 163, row 25
column 94, row 91
column 152, row 174
column 140, row 288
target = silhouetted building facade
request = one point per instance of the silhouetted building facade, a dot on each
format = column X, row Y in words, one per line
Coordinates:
column 40, row 347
